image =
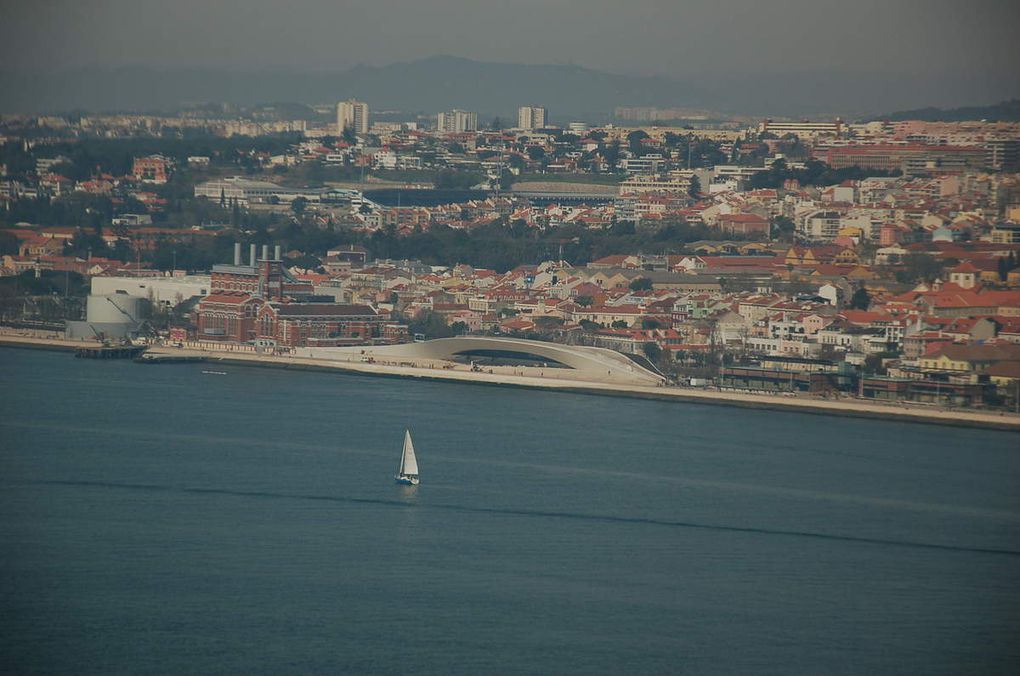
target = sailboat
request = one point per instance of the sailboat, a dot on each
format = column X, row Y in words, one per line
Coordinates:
column 408, row 473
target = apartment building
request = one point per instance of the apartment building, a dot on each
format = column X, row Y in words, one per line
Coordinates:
column 803, row 129
column 677, row 182
column 531, row 117
column 353, row 114
column 1002, row 154
column 456, row 122
column 912, row 159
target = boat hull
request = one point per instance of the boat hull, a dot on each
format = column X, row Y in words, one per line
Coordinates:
column 406, row 480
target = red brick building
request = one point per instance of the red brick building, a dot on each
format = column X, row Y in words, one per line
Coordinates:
column 228, row 317
column 318, row 324
column 911, row 159
column 261, row 303
column 152, row 169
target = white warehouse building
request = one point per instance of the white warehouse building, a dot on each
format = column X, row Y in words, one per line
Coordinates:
column 166, row 291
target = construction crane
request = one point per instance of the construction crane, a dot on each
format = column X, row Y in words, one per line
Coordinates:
column 100, row 336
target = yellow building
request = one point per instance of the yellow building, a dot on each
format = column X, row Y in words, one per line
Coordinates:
column 970, row 358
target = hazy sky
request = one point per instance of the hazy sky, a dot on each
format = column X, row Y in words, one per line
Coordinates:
column 631, row 36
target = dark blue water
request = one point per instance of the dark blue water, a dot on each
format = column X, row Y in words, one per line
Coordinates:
column 155, row 519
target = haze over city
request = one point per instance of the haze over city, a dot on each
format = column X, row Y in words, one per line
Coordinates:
column 788, row 57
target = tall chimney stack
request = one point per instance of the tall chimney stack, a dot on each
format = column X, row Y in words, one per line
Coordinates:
column 251, row 252
column 265, row 252
column 237, row 253
column 276, row 253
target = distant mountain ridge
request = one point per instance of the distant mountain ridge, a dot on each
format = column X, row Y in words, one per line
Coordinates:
column 428, row 85
column 444, row 82
column 1004, row 111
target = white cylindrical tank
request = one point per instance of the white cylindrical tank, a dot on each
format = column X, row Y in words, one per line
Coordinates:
column 117, row 308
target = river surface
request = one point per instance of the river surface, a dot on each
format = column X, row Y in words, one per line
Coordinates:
column 156, row 519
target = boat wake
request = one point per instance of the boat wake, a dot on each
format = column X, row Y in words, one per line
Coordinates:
column 529, row 513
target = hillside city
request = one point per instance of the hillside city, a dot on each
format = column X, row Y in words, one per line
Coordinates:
column 841, row 259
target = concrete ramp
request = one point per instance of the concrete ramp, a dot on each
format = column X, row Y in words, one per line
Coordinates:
column 591, row 364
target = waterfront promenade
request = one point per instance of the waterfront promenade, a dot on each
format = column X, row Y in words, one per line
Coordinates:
column 559, row 379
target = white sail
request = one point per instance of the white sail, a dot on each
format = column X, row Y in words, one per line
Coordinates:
column 408, row 461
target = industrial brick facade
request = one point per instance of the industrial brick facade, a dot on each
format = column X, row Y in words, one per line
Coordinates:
column 261, row 303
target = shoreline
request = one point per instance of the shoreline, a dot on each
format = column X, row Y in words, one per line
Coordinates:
column 853, row 408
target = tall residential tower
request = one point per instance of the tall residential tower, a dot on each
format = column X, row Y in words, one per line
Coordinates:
column 353, row 114
column 531, row 117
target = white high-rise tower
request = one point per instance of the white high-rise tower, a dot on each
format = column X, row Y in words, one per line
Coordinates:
column 353, row 114
column 531, row 117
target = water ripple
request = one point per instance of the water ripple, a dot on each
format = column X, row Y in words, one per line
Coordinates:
column 604, row 518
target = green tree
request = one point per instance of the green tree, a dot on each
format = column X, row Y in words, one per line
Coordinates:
column 584, row 301
column 9, row 244
column 917, row 267
column 861, row 300
column 430, row 324
column 545, row 323
column 695, row 188
column 122, row 251
column 635, row 142
column 641, row 284
column 623, row 228
column 611, row 154
column 536, row 153
column 783, row 228
column 451, row 179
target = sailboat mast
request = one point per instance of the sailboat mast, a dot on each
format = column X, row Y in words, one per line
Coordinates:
column 403, row 455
